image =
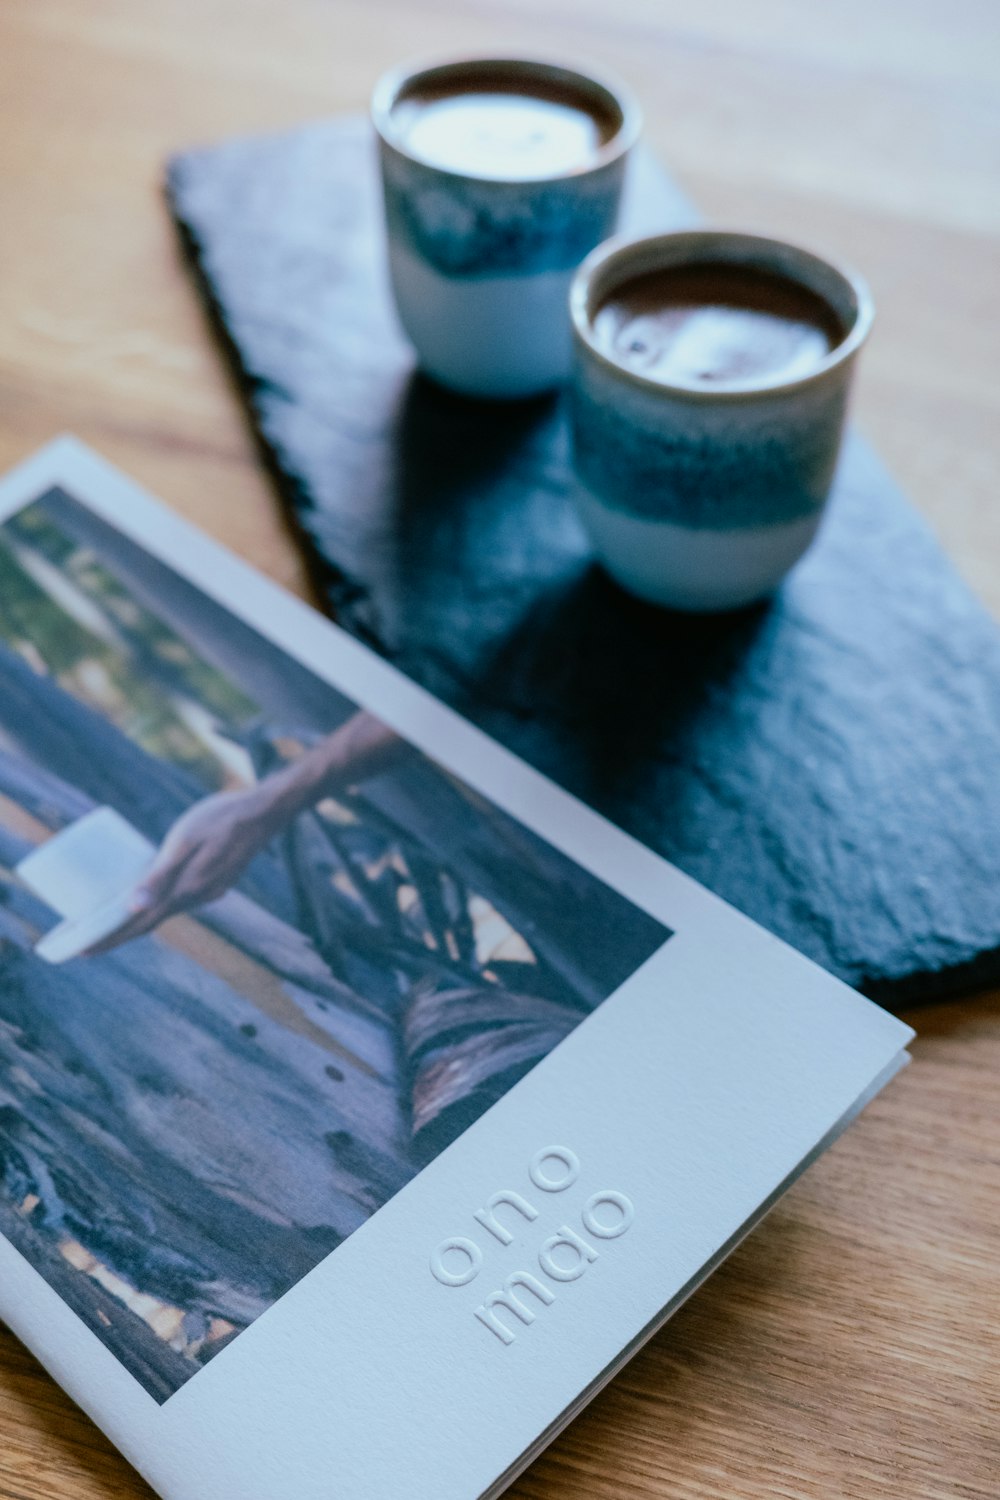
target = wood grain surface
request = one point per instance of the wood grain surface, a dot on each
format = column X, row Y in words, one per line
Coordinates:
column 849, row 1350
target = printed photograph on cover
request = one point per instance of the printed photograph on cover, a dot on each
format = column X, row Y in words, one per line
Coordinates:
column 261, row 959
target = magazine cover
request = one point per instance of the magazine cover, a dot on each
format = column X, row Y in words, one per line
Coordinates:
column 353, row 1079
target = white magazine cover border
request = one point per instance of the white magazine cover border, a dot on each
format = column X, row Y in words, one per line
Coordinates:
column 683, row 1104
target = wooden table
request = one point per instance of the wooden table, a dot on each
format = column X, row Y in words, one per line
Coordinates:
column 849, row 1349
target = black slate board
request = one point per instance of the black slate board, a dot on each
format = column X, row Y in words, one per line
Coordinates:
column 825, row 762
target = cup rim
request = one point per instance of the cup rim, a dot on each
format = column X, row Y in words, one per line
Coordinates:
column 389, row 89
column 725, row 246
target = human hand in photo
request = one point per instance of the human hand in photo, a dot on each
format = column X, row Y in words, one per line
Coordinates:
column 209, row 847
column 203, row 855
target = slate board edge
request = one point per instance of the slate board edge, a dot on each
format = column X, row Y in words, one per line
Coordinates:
column 324, row 578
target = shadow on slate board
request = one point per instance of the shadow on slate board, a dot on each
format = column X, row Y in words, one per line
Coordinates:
column 826, row 762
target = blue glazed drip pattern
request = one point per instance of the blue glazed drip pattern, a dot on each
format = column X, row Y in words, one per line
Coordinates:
column 697, row 479
column 466, row 228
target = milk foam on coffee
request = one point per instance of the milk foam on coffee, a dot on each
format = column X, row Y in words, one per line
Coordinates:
column 501, row 131
column 715, row 325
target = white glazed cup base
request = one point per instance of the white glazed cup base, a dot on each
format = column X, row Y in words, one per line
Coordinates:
column 504, row 337
column 697, row 570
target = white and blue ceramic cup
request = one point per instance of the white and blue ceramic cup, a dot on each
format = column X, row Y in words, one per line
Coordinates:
column 703, row 499
column 481, row 264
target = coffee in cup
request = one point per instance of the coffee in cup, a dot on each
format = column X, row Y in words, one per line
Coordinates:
column 502, row 127
column 716, row 326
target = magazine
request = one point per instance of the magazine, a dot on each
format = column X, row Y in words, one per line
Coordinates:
column 365, row 1100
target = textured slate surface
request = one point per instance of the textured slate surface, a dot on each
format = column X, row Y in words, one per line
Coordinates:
column 827, row 763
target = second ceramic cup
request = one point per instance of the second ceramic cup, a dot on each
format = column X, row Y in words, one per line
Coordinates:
column 500, row 176
column 711, row 382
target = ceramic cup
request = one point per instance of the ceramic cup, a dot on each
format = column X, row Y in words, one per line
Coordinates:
column 481, row 262
column 703, row 498
column 86, row 873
